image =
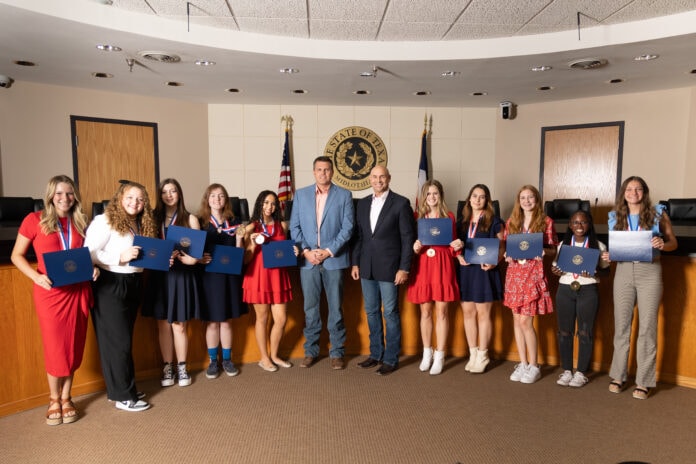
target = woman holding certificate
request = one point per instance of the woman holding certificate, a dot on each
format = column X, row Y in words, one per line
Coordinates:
column 526, row 288
column 174, row 296
column 433, row 282
column 577, row 297
column 479, row 284
column 223, row 292
column 118, row 291
column 267, row 289
column 62, row 311
column 639, row 282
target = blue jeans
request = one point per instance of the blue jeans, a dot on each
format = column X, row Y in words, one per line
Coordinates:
column 377, row 293
column 332, row 281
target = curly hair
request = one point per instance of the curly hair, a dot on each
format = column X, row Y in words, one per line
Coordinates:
column 120, row 221
column 257, row 214
column 205, row 212
column 486, row 219
column 591, row 234
column 423, row 208
column 647, row 210
column 160, row 211
column 49, row 216
column 538, row 222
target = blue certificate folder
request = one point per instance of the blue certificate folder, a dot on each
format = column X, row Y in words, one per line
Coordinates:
column 154, row 253
column 630, row 245
column 278, row 254
column 578, row 259
column 525, row 246
column 226, row 260
column 190, row 241
column 435, row 231
column 481, row 250
column 68, row 266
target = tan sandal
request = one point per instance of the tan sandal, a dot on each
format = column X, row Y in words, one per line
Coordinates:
column 70, row 414
column 54, row 408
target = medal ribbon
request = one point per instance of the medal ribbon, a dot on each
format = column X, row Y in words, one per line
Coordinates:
column 65, row 236
column 137, row 229
column 630, row 225
column 472, row 230
column 164, row 229
column 265, row 229
column 224, row 226
column 585, row 244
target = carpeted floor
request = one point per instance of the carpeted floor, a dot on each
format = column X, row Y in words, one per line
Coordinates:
column 318, row 415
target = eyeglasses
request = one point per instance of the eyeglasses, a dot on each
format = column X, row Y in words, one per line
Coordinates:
column 580, row 223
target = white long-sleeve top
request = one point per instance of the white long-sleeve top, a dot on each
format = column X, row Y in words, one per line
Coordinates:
column 106, row 245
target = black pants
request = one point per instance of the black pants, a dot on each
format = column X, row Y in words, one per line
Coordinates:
column 116, row 301
column 581, row 306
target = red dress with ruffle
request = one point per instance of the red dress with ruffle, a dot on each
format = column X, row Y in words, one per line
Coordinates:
column 266, row 286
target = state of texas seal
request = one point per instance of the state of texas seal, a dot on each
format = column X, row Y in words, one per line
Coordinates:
column 355, row 151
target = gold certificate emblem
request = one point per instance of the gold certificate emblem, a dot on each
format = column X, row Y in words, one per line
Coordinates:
column 151, row 253
column 185, row 242
column 279, row 254
column 481, row 251
column 355, row 151
column 70, row 266
column 577, row 260
column 225, row 260
column 524, row 245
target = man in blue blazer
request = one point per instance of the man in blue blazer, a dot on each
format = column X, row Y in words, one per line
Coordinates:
column 321, row 224
column 381, row 258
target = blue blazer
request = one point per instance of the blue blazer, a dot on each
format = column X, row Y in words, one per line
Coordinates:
column 336, row 224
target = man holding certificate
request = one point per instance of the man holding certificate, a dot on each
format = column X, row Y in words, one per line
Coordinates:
column 382, row 260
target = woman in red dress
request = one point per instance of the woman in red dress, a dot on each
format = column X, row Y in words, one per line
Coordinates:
column 63, row 311
column 433, row 280
column 267, row 289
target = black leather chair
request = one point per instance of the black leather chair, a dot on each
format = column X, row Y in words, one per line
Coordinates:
column 98, row 207
column 38, row 204
column 681, row 211
column 560, row 210
column 13, row 210
column 462, row 203
column 240, row 208
column 288, row 210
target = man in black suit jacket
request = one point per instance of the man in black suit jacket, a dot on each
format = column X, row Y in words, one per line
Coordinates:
column 381, row 258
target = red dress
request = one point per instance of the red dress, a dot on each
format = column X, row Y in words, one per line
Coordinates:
column 434, row 278
column 526, row 288
column 266, row 286
column 63, row 312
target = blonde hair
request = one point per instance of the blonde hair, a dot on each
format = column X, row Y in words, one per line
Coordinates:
column 49, row 216
column 516, row 221
column 120, row 221
column 423, row 208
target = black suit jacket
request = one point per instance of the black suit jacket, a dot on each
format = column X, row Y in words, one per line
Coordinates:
column 389, row 249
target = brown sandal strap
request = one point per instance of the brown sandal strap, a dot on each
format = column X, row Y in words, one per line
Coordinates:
column 68, row 407
column 54, row 407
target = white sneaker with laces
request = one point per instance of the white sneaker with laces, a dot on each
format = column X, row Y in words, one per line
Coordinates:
column 532, row 374
column 579, row 380
column 520, row 370
column 132, row 406
column 565, row 378
column 183, row 375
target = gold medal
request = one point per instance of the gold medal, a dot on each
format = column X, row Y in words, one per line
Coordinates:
column 575, row 285
column 430, row 252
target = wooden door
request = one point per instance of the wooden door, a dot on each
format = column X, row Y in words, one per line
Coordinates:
column 106, row 151
column 584, row 162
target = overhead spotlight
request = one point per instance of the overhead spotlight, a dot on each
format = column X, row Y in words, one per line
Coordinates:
column 372, row 73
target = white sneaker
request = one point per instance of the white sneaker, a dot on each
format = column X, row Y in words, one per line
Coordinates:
column 132, row 406
column 438, row 362
column 519, row 371
column 183, row 375
column 531, row 375
column 565, row 378
column 579, row 380
column 472, row 358
column 427, row 359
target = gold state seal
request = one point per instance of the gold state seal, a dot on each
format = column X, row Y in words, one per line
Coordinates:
column 355, row 151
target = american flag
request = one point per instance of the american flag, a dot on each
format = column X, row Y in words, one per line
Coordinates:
column 422, row 166
column 285, row 190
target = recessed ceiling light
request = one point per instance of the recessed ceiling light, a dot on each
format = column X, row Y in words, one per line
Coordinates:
column 368, row 74
column 289, row 70
column 108, row 48
column 300, row 91
column 693, row 71
column 588, row 63
column 102, row 75
column 616, row 81
column 450, row 73
column 362, row 92
column 545, row 87
column 478, row 94
column 541, row 68
column 24, row 63
column 421, row 93
column 161, row 57
column 205, row 63
column 173, row 84
column 646, row 57
column 233, row 90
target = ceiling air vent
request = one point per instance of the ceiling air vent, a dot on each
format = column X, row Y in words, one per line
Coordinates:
column 161, row 57
column 589, row 63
